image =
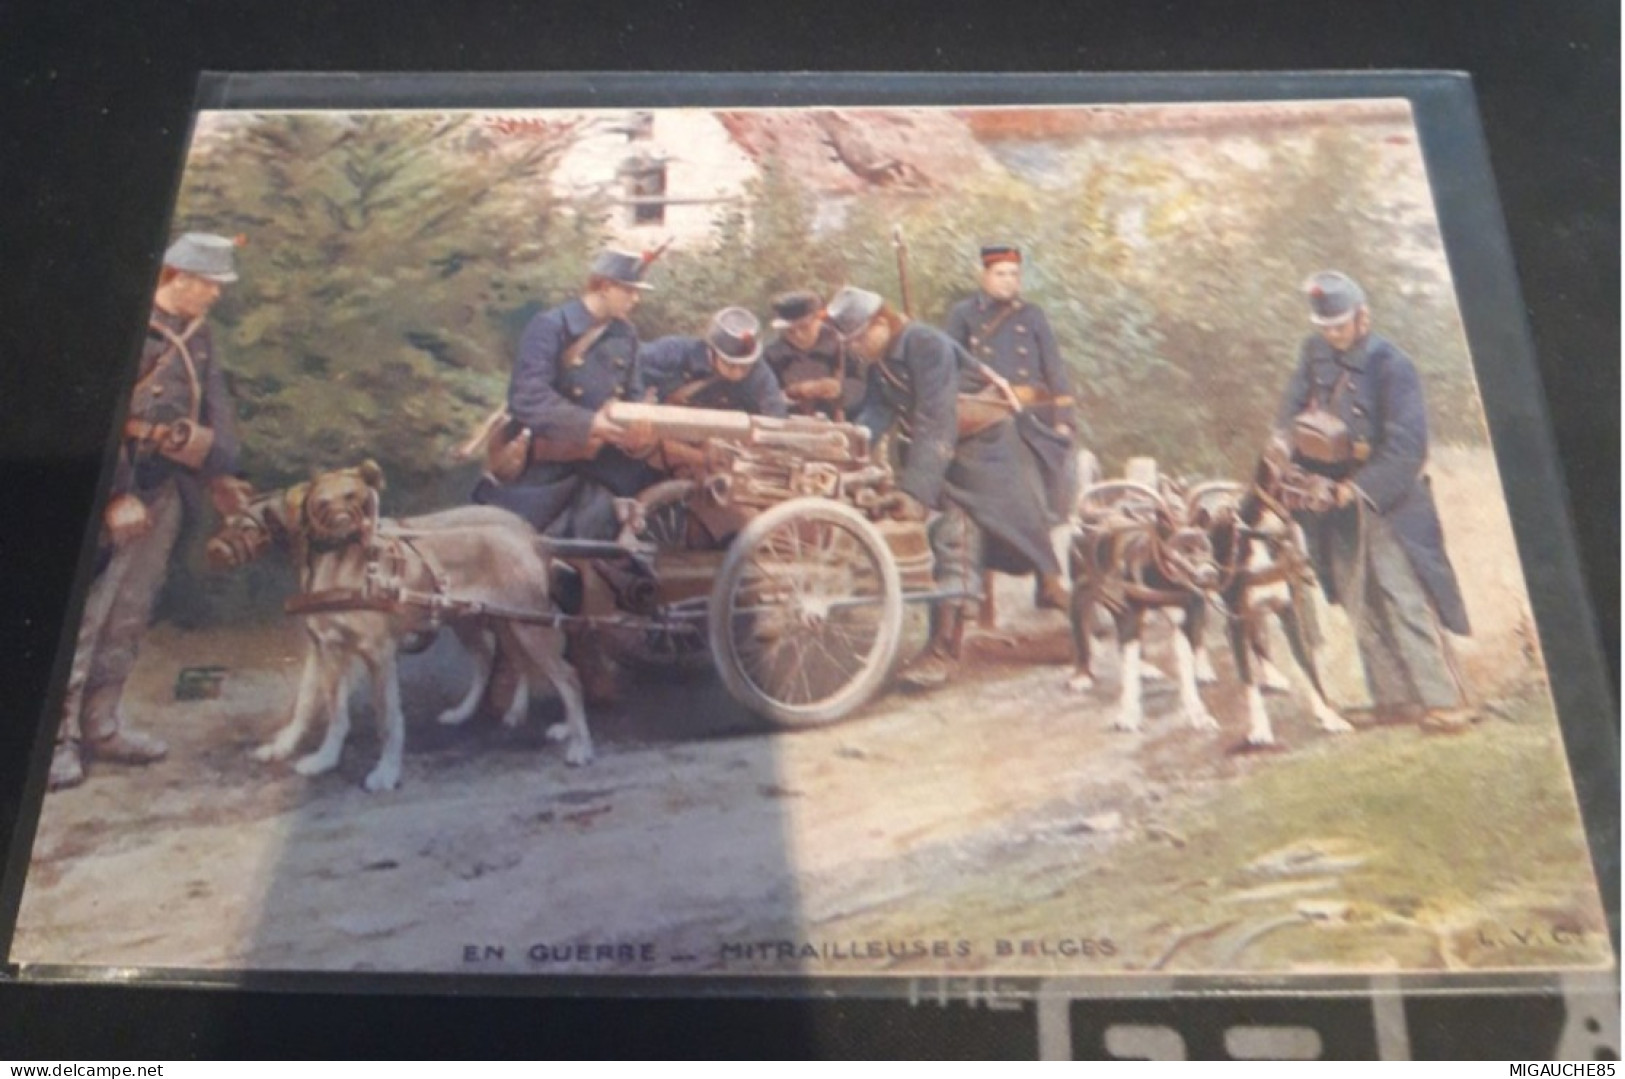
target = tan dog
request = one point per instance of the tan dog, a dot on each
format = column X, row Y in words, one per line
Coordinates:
column 471, row 555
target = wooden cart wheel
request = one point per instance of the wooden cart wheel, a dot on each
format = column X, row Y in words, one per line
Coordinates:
column 806, row 613
column 662, row 524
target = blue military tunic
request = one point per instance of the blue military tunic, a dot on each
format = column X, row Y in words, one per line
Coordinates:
column 672, row 364
column 1014, row 338
column 825, row 359
column 1381, row 402
column 556, row 395
column 990, row 475
column 177, row 382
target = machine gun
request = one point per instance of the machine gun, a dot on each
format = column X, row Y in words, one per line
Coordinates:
column 752, row 463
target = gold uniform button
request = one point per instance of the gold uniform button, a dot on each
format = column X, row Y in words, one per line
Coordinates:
column 1021, row 350
column 1022, row 371
column 577, row 391
column 1020, row 328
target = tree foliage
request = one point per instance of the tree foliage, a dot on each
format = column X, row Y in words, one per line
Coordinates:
column 387, row 260
column 392, row 260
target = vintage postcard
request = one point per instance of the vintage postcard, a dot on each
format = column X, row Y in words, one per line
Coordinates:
column 808, row 542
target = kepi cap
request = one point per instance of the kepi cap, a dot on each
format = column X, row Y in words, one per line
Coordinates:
column 205, row 255
column 794, row 306
column 992, row 253
column 622, row 267
column 1333, row 297
column 735, row 336
column 850, row 310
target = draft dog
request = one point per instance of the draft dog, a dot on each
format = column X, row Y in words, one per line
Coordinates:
column 1133, row 553
column 368, row 584
column 1265, row 575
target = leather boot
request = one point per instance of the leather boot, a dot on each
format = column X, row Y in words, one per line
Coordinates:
column 126, row 746
column 67, row 766
column 940, row 660
column 1448, row 720
column 1052, row 593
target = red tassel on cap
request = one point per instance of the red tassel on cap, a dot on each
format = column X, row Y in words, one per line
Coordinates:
column 240, row 240
column 1317, row 292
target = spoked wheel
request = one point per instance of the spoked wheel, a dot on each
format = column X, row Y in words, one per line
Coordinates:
column 806, row 613
column 662, row 524
column 662, row 516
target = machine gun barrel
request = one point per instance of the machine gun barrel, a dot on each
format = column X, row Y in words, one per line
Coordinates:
column 810, row 435
column 683, row 423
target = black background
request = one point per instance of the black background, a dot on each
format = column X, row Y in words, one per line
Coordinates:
column 95, row 107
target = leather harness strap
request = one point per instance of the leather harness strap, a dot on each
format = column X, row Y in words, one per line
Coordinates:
column 177, row 347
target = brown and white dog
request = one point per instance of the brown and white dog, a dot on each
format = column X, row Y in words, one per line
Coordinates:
column 1265, row 576
column 1133, row 552
column 1180, row 551
column 483, row 560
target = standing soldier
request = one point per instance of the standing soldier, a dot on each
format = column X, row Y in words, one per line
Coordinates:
column 964, row 459
column 558, row 452
column 179, row 433
column 1354, row 424
column 810, row 360
column 1013, row 337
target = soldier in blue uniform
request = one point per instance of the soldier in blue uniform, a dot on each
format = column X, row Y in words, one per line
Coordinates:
column 810, row 360
column 719, row 370
column 1354, row 420
column 1013, row 337
column 179, row 439
column 573, row 360
column 964, row 459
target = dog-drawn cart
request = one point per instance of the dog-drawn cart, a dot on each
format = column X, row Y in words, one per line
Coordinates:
column 776, row 555
column 779, row 559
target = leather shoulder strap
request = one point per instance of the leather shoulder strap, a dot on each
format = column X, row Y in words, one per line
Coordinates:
column 686, row 393
column 178, row 347
column 988, row 329
column 578, row 348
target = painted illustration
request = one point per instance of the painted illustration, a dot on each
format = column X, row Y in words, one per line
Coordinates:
column 813, row 542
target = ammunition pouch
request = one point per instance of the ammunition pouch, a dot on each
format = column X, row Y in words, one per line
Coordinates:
column 1322, row 437
column 182, row 441
column 514, row 447
column 507, row 452
column 982, row 410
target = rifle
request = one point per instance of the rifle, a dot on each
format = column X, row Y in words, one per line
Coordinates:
column 900, row 245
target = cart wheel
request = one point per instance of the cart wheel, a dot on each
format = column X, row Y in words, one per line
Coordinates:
column 662, row 524
column 806, row 613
